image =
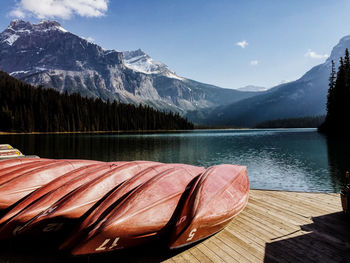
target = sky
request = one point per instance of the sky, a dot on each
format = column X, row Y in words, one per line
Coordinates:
column 227, row 43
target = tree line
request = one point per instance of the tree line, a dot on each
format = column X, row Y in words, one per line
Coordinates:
column 302, row 122
column 24, row 108
column 338, row 99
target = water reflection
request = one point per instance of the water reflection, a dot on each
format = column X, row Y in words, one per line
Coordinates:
column 338, row 159
column 288, row 159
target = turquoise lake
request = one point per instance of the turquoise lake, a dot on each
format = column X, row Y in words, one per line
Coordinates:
column 281, row 159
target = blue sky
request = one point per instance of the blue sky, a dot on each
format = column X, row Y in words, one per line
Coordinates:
column 198, row 38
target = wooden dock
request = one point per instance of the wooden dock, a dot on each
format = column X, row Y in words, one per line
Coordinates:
column 275, row 226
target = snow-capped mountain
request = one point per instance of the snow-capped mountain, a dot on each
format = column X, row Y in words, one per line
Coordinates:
column 46, row 54
column 141, row 62
column 306, row 96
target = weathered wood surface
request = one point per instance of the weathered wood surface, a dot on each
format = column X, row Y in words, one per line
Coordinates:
column 275, row 226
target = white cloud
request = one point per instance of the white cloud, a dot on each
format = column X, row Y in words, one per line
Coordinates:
column 254, row 62
column 59, row 8
column 242, row 44
column 314, row 55
column 17, row 13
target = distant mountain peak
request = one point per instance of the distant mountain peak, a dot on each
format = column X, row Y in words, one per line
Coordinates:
column 338, row 51
column 18, row 26
column 134, row 53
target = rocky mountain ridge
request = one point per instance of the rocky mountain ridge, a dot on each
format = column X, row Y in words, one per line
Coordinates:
column 304, row 97
column 47, row 54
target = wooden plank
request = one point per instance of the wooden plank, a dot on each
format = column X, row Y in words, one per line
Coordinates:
column 213, row 246
column 233, row 254
column 317, row 200
column 276, row 212
column 305, row 202
column 298, row 205
column 260, row 238
column 202, row 257
column 250, row 253
column 210, row 254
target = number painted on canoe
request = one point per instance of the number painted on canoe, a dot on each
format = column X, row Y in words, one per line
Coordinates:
column 191, row 235
column 181, row 220
column 103, row 246
column 52, row 227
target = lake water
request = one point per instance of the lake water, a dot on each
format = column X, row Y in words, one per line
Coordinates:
column 282, row 159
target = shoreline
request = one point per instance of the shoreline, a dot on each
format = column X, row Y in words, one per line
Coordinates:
column 139, row 131
column 90, row 132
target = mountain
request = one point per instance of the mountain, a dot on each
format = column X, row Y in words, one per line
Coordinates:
column 252, row 88
column 304, row 97
column 47, row 54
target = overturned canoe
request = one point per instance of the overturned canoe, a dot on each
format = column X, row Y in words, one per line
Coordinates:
column 142, row 215
column 217, row 196
column 98, row 215
column 12, row 172
column 10, row 153
column 77, row 203
column 44, row 197
column 18, row 161
column 15, row 189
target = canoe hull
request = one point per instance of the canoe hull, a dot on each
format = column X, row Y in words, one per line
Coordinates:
column 78, row 202
column 209, row 207
column 17, row 188
column 142, row 216
column 17, row 161
column 47, row 195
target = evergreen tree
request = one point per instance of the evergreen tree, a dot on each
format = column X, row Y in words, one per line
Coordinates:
column 24, row 108
column 330, row 97
column 338, row 99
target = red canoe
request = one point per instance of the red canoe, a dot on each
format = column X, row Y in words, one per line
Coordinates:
column 20, row 186
column 78, row 202
column 217, row 196
column 142, row 215
column 100, row 212
column 19, row 166
column 50, row 193
column 12, row 172
column 17, row 161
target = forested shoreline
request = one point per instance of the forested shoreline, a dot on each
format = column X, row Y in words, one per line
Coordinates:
column 24, row 108
column 302, row 122
column 338, row 100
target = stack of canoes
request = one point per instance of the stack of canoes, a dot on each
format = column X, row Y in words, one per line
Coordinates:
column 107, row 206
column 7, row 151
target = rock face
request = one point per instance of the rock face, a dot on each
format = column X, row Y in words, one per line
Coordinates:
column 306, row 96
column 47, row 54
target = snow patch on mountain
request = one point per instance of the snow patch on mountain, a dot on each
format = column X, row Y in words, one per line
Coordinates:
column 11, row 39
column 139, row 61
column 20, row 26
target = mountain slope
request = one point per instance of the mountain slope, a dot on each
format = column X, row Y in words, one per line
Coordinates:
column 306, row 96
column 46, row 54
